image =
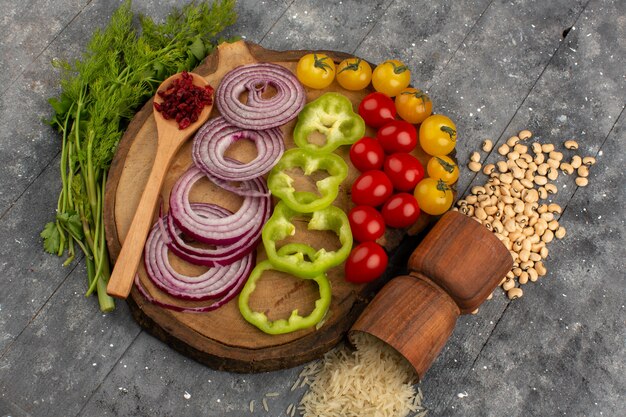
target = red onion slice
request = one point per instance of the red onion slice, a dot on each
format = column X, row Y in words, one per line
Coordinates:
column 213, row 139
column 202, row 309
column 214, row 283
column 221, row 255
column 259, row 112
column 239, row 190
column 224, row 230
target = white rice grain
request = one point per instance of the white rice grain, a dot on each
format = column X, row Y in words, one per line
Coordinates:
column 265, row 407
column 372, row 381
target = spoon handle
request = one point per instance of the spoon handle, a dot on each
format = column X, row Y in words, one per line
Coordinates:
column 121, row 280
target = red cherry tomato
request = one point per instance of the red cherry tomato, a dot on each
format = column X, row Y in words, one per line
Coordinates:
column 401, row 210
column 367, row 223
column 404, row 170
column 397, row 136
column 371, row 188
column 366, row 262
column 367, row 154
column 377, row 109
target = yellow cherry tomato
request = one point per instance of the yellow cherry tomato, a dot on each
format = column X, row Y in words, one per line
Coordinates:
column 316, row 70
column 437, row 135
column 433, row 196
column 391, row 77
column 413, row 105
column 443, row 168
column 354, row 74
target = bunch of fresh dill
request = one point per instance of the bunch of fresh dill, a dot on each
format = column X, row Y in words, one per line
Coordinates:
column 118, row 73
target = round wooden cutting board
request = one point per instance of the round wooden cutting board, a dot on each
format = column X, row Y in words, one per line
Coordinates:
column 222, row 339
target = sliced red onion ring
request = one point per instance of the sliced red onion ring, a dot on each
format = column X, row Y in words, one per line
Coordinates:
column 224, row 230
column 221, row 255
column 259, row 112
column 239, row 190
column 214, row 283
column 202, row 309
column 214, row 138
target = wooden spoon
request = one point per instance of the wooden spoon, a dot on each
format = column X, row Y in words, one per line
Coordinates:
column 170, row 139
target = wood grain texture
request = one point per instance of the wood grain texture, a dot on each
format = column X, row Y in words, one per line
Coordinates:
column 413, row 316
column 221, row 338
column 463, row 258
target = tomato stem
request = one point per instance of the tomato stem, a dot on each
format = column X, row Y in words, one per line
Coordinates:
column 398, row 69
column 319, row 63
column 448, row 167
column 419, row 94
column 352, row 67
column 442, row 186
column 449, row 131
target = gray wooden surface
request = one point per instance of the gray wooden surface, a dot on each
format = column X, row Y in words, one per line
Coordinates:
column 494, row 66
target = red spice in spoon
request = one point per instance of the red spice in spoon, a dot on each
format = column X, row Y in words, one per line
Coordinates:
column 183, row 101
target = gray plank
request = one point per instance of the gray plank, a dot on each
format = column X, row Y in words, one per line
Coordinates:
column 153, row 380
column 310, row 24
column 424, row 35
column 255, row 19
column 579, row 95
column 27, row 29
column 61, row 357
column 29, row 276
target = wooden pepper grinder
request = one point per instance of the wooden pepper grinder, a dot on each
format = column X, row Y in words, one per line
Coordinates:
column 453, row 270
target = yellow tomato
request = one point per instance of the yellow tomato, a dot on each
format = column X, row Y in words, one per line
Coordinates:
column 437, row 135
column 354, row 74
column 391, row 77
column 413, row 105
column 443, row 168
column 433, row 196
column 316, row 70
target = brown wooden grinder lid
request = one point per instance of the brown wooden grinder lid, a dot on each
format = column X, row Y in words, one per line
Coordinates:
column 453, row 270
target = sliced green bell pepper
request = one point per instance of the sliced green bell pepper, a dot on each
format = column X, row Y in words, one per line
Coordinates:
column 295, row 321
column 281, row 184
column 300, row 259
column 331, row 115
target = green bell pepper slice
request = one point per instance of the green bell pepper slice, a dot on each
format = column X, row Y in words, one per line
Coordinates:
column 295, row 321
column 281, row 184
column 331, row 115
column 300, row 259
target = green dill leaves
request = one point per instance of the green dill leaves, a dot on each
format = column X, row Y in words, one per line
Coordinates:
column 119, row 71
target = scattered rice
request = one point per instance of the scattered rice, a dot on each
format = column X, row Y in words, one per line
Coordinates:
column 295, row 384
column 272, row 394
column 372, row 381
column 289, row 409
column 252, row 406
column 265, row 407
